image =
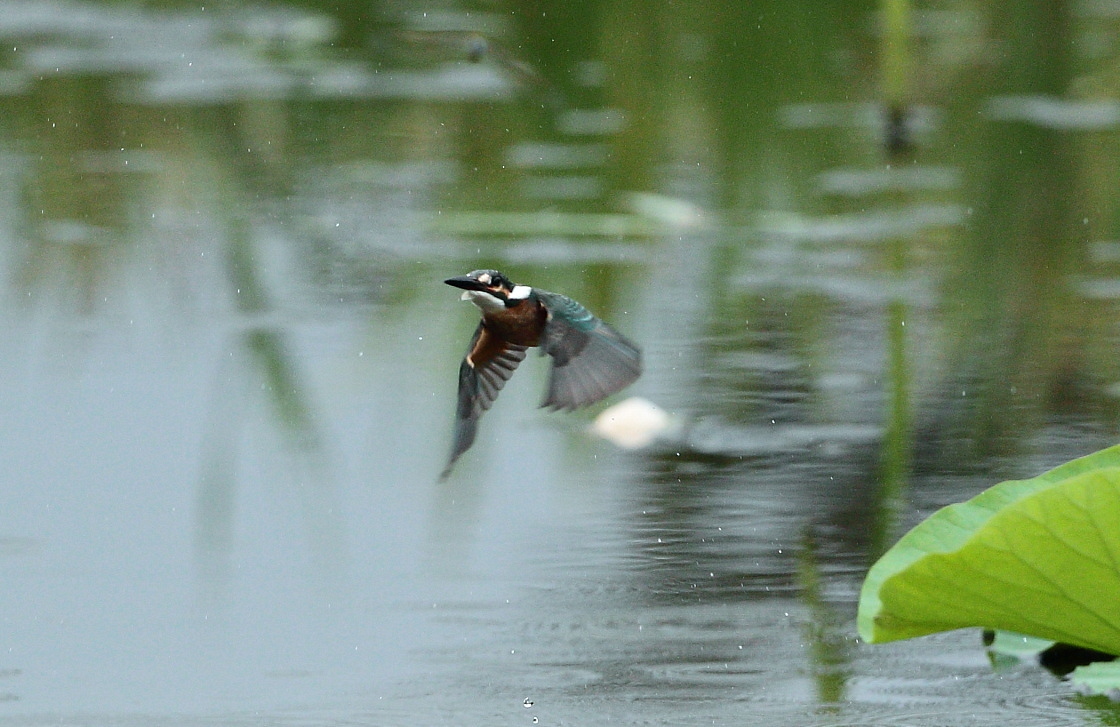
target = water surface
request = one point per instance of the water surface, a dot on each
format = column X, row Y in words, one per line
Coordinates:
column 228, row 361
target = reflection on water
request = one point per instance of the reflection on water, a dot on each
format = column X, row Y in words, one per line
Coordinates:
column 229, row 360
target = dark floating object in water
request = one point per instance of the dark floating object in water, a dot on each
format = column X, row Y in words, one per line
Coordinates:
column 476, row 48
column 897, row 137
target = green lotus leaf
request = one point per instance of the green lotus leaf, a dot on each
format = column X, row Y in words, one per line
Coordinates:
column 1038, row 556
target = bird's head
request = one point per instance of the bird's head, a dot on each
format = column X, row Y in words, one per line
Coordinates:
column 489, row 289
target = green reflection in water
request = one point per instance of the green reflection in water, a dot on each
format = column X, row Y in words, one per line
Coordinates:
column 74, row 193
column 825, row 631
column 267, row 367
column 895, row 460
column 1015, row 336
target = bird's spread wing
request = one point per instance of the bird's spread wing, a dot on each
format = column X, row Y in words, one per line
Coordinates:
column 590, row 360
column 485, row 370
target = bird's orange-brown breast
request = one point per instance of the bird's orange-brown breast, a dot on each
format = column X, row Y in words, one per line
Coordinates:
column 522, row 325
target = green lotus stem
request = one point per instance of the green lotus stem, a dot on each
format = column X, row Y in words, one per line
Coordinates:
column 896, row 52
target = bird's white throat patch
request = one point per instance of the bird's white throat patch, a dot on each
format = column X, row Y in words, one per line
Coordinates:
column 483, row 300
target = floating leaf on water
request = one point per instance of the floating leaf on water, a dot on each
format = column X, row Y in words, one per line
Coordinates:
column 671, row 211
column 517, row 224
column 1007, row 649
column 545, row 155
column 560, row 250
column 1056, row 113
column 1101, row 677
column 591, row 122
column 864, row 182
column 1019, row 646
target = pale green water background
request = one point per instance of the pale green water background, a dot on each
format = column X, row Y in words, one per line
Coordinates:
column 228, row 362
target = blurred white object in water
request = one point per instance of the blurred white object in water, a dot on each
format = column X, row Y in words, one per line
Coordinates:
column 633, row 423
column 674, row 212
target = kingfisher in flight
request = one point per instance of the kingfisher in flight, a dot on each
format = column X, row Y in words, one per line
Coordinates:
column 590, row 360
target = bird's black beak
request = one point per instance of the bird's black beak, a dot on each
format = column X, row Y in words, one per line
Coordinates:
column 465, row 282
